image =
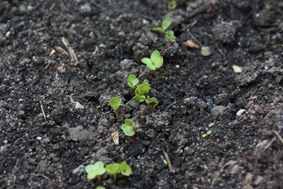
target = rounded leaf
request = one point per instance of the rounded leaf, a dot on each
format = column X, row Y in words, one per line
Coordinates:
column 128, row 127
column 156, row 59
column 125, row 169
column 142, row 89
column 132, row 80
column 139, row 98
column 115, row 102
column 165, row 23
column 93, row 170
column 170, row 35
column 113, row 168
column 146, row 61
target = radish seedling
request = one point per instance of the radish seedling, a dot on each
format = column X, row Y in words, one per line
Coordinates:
column 169, row 34
column 204, row 135
column 125, row 169
column 95, row 170
column 115, row 104
column 155, row 60
column 118, row 168
column 164, row 26
column 141, row 91
column 132, row 81
column 172, row 5
column 113, row 169
column 129, row 128
column 152, row 102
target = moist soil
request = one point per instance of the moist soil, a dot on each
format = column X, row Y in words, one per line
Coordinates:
column 61, row 62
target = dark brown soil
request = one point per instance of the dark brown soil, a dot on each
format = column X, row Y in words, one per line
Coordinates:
column 54, row 113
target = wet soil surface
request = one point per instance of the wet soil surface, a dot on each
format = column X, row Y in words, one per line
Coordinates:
column 61, row 61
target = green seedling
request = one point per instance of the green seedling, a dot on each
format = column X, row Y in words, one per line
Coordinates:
column 152, row 102
column 118, row 168
column 164, row 26
column 132, row 81
column 100, row 187
column 155, row 60
column 29, row 7
column 125, row 169
column 204, row 135
column 95, row 170
column 172, row 5
column 113, row 169
column 129, row 127
column 115, row 104
column 141, row 91
column 170, row 35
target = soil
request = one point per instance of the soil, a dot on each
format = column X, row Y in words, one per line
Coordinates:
column 61, row 61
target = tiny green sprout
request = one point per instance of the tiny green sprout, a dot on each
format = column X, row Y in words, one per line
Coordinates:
column 129, row 127
column 29, row 7
column 113, row 169
column 155, row 60
column 125, row 169
column 115, row 104
column 164, row 25
column 132, row 81
column 170, row 35
column 204, row 135
column 141, row 91
column 100, row 187
column 152, row 102
column 165, row 162
column 172, row 5
column 95, row 170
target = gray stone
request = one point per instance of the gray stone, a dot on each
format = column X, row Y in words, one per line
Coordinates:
column 217, row 110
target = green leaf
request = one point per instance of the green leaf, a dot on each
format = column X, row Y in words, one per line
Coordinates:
column 151, row 101
column 156, row 59
column 146, row 61
column 139, row 98
column 94, row 170
column 172, row 5
column 125, row 169
column 128, row 127
column 165, row 23
column 158, row 29
column 170, row 35
column 132, row 81
column 100, row 187
column 142, row 89
column 115, row 102
column 113, row 168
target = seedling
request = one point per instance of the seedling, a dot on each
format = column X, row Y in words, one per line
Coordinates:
column 204, row 135
column 169, row 34
column 164, row 26
column 125, row 169
column 100, row 187
column 115, row 104
column 172, row 5
column 141, row 91
column 113, row 169
column 152, row 102
column 95, row 170
column 132, row 82
column 129, row 127
column 155, row 60
column 118, row 168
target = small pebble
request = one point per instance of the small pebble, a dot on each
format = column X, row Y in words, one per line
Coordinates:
column 217, row 110
column 205, row 51
column 240, row 112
